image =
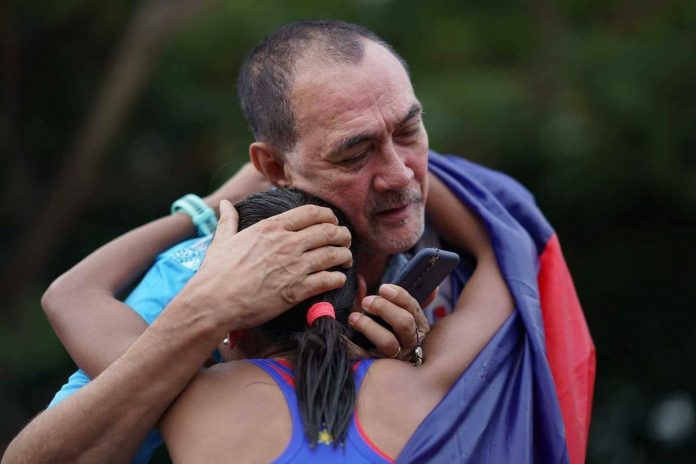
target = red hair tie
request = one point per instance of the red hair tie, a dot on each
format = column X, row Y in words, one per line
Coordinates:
column 233, row 337
column 321, row 309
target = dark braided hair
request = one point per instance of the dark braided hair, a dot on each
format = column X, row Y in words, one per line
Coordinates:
column 323, row 370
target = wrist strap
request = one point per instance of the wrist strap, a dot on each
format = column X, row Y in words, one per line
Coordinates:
column 202, row 215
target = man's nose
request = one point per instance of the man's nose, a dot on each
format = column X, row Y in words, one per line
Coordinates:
column 394, row 174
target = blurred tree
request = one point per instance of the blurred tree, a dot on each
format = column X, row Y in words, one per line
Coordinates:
column 151, row 24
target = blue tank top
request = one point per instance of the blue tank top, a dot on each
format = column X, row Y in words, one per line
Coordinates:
column 358, row 447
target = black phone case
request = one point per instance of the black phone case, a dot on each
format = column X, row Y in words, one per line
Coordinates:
column 425, row 271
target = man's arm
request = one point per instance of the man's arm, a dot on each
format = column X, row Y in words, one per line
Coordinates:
column 107, row 420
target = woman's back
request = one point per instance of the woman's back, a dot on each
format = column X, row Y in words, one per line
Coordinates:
column 239, row 411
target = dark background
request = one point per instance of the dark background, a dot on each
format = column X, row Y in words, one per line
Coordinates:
column 111, row 110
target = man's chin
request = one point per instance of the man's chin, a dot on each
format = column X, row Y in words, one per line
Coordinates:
column 393, row 242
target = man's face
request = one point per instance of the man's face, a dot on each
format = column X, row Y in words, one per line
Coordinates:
column 361, row 145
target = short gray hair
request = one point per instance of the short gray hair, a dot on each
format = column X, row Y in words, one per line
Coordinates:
column 267, row 75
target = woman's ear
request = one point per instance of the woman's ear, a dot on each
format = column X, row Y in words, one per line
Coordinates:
column 271, row 163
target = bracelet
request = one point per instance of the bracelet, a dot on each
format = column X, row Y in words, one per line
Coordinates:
column 202, row 215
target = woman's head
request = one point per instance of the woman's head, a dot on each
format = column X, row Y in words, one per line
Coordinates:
column 268, row 204
column 323, row 371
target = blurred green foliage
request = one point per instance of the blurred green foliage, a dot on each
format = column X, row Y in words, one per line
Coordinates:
column 592, row 105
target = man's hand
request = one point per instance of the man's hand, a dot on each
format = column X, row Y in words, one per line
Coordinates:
column 401, row 312
column 247, row 278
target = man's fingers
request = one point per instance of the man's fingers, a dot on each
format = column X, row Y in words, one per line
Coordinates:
column 318, row 235
column 229, row 218
column 327, row 257
column 304, row 216
column 318, row 282
column 403, row 299
column 399, row 319
column 384, row 340
column 402, row 313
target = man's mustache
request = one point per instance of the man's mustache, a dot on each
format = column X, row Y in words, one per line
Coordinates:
column 391, row 200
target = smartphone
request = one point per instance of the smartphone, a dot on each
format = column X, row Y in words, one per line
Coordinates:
column 425, row 271
column 419, row 277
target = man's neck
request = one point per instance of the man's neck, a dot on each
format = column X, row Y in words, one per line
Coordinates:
column 371, row 267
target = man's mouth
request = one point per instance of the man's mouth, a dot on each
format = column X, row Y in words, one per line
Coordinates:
column 395, row 207
column 394, row 215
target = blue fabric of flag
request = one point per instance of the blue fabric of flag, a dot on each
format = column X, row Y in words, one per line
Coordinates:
column 504, row 408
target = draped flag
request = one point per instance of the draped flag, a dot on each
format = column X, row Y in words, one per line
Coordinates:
column 527, row 396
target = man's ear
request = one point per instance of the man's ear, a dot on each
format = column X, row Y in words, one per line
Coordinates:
column 269, row 162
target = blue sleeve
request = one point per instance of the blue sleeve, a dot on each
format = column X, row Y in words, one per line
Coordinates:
column 76, row 381
column 172, row 270
column 165, row 279
column 160, row 285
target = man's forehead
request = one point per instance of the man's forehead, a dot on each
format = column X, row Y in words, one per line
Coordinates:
column 342, row 98
column 345, row 111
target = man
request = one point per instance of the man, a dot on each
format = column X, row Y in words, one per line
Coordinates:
column 333, row 112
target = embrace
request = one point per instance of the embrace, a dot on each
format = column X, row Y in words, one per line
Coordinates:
column 290, row 279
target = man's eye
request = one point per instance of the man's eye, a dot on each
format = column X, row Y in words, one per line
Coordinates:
column 409, row 133
column 355, row 159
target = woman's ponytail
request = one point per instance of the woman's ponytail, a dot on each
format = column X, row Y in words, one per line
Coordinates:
column 324, row 378
column 323, row 371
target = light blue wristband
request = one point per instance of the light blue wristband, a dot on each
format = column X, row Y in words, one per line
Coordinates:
column 202, row 215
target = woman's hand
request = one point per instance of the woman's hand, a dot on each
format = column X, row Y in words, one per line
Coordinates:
column 247, row 278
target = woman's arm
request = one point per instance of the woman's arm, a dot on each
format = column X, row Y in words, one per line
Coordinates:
column 96, row 328
column 481, row 309
column 485, row 302
column 452, row 344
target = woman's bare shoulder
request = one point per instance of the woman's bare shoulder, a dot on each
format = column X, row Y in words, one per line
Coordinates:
column 234, row 405
column 392, row 402
column 239, row 370
column 235, row 385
